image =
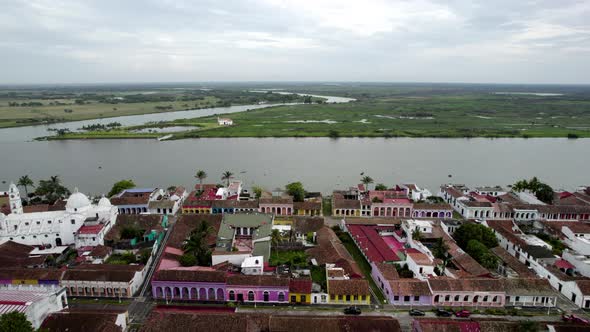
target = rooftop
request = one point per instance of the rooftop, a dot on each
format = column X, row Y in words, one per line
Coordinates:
column 348, row 287
column 372, row 244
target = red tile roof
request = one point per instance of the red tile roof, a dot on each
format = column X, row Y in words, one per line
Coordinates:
column 90, row 229
column 348, row 287
column 371, row 243
column 301, row 286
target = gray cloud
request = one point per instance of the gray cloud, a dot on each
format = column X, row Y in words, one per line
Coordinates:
column 61, row 41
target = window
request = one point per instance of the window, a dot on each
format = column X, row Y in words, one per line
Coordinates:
column 26, row 224
column 303, row 298
column 364, row 297
column 281, row 297
column 447, row 298
column 406, row 298
column 250, row 296
column 46, row 235
column 396, row 298
column 356, row 297
column 232, row 295
column 485, row 298
column 73, row 221
column 49, row 221
column 416, row 298
column 456, row 298
column 340, row 297
column 38, row 223
column 332, row 297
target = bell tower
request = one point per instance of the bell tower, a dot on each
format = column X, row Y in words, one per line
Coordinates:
column 16, row 205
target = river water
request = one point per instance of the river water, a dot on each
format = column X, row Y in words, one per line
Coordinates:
column 322, row 164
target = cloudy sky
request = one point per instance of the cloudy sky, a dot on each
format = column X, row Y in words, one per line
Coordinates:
column 502, row 41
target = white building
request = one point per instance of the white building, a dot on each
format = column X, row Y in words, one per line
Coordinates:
column 36, row 303
column 416, row 193
column 253, row 265
column 225, row 121
column 491, row 191
column 54, row 228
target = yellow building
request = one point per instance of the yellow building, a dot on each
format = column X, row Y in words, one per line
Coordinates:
column 349, row 291
column 300, row 290
column 307, row 208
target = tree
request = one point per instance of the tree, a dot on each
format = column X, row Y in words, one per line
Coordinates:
column 120, row 186
column 25, row 182
column 187, row 260
column 481, row 233
column 541, row 190
column 416, row 235
column 196, row 243
column 226, row 176
column 52, row 189
column 15, row 322
column 366, row 180
column 257, row 191
column 201, row 175
column 275, row 238
column 380, row 186
column 296, row 190
column 440, row 249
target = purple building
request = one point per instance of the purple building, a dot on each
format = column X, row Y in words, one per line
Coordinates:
column 257, row 288
column 186, row 285
column 400, row 291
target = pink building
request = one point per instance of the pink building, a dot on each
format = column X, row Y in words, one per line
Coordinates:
column 282, row 206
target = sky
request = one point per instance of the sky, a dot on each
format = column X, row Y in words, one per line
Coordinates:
column 103, row 41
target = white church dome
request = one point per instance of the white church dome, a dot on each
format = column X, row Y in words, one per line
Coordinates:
column 104, row 202
column 77, row 201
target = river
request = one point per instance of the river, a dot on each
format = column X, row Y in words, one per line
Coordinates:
column 322, row 164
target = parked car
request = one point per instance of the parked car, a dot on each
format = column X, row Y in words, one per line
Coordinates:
column 352, row 310
column 416, row 312
column 443, row 313
column 575, row 319
column 463, row 313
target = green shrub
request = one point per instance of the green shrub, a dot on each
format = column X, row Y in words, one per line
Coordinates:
column 187, row 260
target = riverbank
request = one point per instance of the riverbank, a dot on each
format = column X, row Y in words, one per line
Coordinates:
column 339, row 120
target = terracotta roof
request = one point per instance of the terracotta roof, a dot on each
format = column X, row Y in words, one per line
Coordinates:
column 305, row 225
column 527, row 286
column 331, row 250
column 81, row 321
column 102, row 272
column 191, row 276
column 464, row 285
column 36, row 208
column 196, row 203
column 388, row 271
column 346, row 204
column 186, row 223
column 101, row 251
column 476, row 203
column 301, row 286
column 277, row 200
column 420, row 258
column 232, row 203
column 14, row 254
column 470, row 265
column 161, row 204
column 348, row 287
column 512, row 262
column 410, row 287
column 8, row 273
column 257, row 280
column 307, row 205
column 161, row 320
column 453, row 192
column 90, row 229
column 129, row 200
column 574, row 226
column 584, row 286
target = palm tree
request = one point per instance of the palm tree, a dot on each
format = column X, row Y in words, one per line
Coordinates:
column 226, row 176
column 201, row 175
column 25, row 181
column 196, row 243
column 275, row 238
column 366, row 180
column 440, row 250
column 417, row 235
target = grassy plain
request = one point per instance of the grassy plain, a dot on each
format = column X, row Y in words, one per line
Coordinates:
column 381, row 110
column 11, row 116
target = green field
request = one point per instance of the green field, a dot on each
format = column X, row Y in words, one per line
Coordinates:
column 381, row 110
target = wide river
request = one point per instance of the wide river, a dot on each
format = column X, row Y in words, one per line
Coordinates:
column 322, row 164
